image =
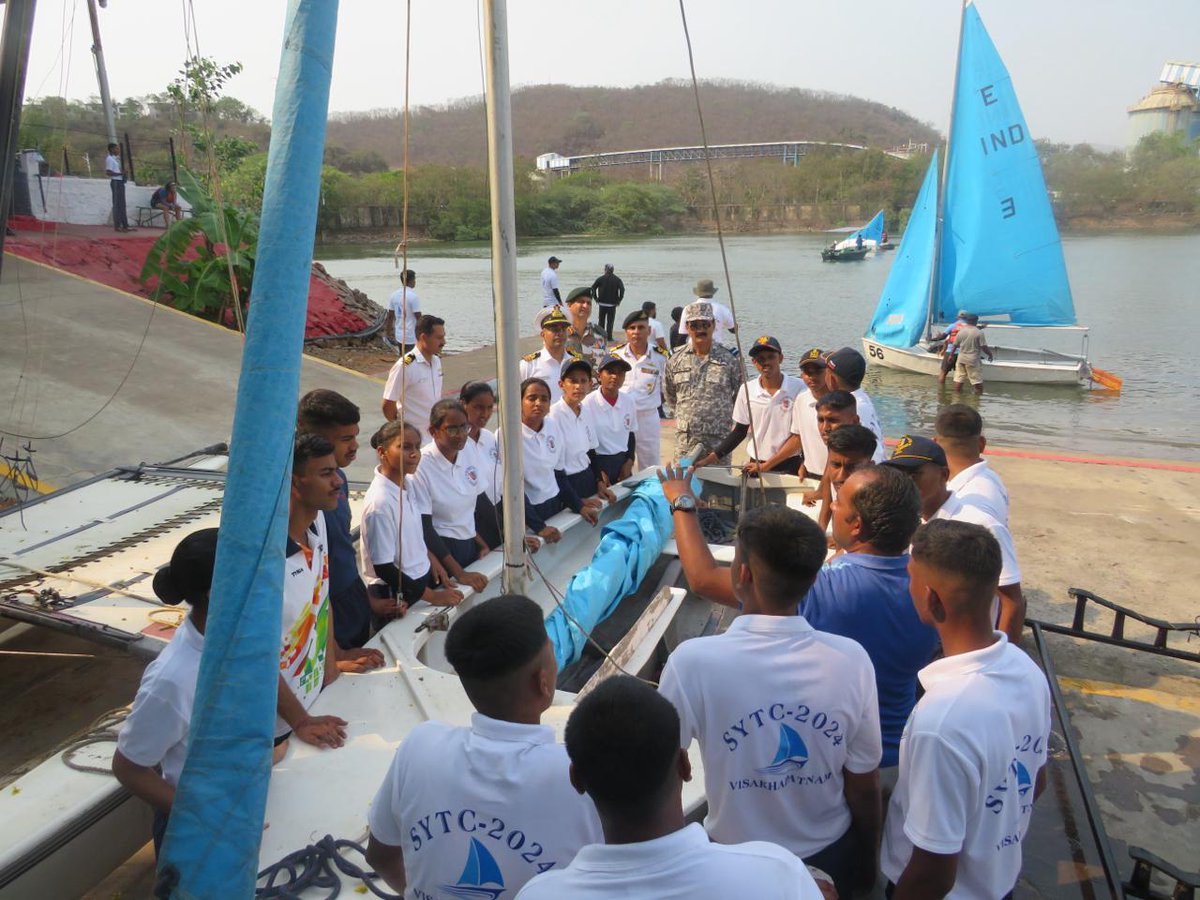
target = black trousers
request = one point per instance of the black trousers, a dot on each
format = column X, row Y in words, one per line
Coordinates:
column 118, row 197
column 608, row 318
column 464, row 552
column 838, row 861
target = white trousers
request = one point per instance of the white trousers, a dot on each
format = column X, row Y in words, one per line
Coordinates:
column 649, row 432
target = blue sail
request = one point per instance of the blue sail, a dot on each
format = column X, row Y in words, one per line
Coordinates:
column 872, row 231
column 904, row 303
column 627, row 549
column 1000, row 253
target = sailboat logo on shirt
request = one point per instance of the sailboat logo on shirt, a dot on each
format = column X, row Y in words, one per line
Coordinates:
column 1024, row 782
column 480, row 871
column 791, row 756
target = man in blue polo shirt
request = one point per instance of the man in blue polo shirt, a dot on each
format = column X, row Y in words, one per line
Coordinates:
column 863, row 593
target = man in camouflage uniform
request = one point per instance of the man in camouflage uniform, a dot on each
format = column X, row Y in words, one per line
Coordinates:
column 584, row 338
column 701, row 384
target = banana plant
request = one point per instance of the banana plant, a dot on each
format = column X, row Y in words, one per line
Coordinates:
column 191, row 262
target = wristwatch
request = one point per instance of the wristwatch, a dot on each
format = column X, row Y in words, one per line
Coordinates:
column 684, row 503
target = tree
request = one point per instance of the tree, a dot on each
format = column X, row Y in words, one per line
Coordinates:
column 205, row 261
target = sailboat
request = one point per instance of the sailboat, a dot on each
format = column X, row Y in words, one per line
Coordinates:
column 235, row 815
column 984, row 241
column 848, row 249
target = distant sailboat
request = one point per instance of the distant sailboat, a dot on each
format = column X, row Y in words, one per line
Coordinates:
column 988, row 244
column 792, row 754
column 848, row 249
column 872, row 234
column 480, row 871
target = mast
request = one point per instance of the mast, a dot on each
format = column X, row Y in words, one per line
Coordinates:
column 941, row 197
column 102, row 72
column 504, row 286
column 14, row 61
column 216, row 822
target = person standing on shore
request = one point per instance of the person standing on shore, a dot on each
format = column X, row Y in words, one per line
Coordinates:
column 115, row 171
column 583, row 337
column 974, row 752
column 701, row 384
column 550, row 295
column 658, row 334
column 925, row 462
column 547, row 363
column 844, row 371
column 722, row 314
column 404, row 310
column 677, row 336
column 648, row 366
column 414, row 383
column 609, row 291
column 971, row 345
column 770, row 406
column 959, row 431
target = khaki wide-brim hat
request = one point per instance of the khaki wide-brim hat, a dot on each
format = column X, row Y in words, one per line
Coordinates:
column 704, row 288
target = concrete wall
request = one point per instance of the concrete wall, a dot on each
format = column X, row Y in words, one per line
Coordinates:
column 80, row 201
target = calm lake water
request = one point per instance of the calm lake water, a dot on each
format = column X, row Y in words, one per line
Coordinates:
column 1137, row 293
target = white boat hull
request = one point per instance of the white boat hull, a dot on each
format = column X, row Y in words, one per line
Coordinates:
column 1013, row 365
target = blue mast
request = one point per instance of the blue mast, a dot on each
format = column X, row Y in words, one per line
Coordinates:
column 216, row 823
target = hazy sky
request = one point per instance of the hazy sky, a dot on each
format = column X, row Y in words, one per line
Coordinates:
column 1076, row 65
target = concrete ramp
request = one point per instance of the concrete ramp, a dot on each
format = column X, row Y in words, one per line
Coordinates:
column 67, row 346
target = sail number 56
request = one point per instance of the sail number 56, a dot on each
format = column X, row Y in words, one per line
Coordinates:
column 876, row 352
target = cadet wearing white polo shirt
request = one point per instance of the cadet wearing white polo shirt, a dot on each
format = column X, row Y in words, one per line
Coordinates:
column 959, row 431
column 613, row 415
column 449, row 477
column 414, row 383
column 547, row 490
column 787, row 717
column 623, row 740
column 804, row 436
column 771, row 396
column 152, row 745
column 509, row 812
column 845, row 370
column 578, row 435
column 973, row 754
column 546, row 363
column 647, row 366
column 925, row 462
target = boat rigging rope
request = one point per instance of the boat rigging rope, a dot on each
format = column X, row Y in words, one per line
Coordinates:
column 712, row 187
column 403, row 247
column 22, row 380
column 316, row 867
column 102, row 731
column 86, row 582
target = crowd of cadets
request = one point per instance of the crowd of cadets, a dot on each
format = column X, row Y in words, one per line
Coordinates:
column 885, row 676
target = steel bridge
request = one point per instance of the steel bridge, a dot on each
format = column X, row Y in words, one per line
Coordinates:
column 790, row 152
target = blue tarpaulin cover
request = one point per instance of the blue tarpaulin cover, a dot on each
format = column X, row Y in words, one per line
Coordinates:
column 628, row 548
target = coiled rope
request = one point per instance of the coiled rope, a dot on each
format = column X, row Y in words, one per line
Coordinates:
column 316, row 867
